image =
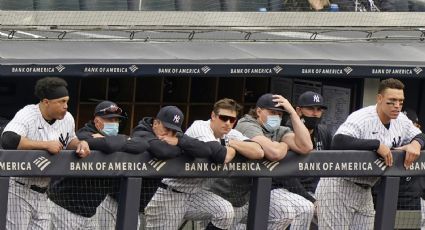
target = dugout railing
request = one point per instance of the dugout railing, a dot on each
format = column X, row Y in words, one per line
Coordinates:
column 132, row 168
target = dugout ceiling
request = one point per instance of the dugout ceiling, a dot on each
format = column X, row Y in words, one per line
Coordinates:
column 203, row 59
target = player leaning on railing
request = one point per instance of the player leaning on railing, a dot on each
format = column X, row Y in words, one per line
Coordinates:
column 348, row 201
column 75, row 199
column 43, row 126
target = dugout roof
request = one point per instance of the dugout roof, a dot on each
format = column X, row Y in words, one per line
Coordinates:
column 65, row 58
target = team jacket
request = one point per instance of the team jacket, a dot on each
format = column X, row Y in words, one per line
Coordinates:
column 82, row 196
column 186, row 145
column 161, row 150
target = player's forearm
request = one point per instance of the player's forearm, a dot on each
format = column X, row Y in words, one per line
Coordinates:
column 250, row 150
column 273, row 150
column 73, row 144
column 230, row 154
column 27, row 144
column 302, row 135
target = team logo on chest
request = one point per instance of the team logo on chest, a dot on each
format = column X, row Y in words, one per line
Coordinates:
column 63, row 140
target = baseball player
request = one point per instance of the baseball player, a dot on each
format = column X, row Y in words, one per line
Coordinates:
column 263, row 125
column 43, row 126
column 75, row 199
column 346, row 203
column 184, row 198
column 164, row 135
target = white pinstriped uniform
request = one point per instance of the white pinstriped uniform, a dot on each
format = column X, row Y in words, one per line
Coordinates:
column 342, row 203
column 28, row 209
column 167, row 209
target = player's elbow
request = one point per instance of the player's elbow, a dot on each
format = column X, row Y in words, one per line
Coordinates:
column 275, row 155
column 305, row 149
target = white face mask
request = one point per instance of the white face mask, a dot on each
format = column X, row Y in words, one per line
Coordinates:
column 272, row 123
column 110, row 129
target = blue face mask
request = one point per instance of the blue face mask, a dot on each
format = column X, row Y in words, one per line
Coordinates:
column 110, row 129
column 272, row 123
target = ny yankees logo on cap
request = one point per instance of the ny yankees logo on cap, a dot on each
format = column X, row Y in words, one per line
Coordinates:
column 316, row 98
column 176, row 118
column 171, row 117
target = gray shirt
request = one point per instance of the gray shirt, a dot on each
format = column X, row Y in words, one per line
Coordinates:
column 236, row 190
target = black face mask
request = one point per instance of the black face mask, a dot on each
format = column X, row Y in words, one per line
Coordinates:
column 311, row 122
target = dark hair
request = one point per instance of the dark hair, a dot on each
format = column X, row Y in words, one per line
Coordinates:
column 390, row 83
column 227, row 103
column 44, row 86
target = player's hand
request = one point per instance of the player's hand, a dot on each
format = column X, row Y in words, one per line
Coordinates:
column 83, row 149
column 170, row 140
column 54, row 147
column 97, row 135
column 413, row 150
column 385, row 153
column 281, row 101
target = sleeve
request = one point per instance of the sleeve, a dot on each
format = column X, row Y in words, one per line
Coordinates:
column 351, row 127
column 194, row 147
column 346, row 142
column 236, row 135
column 249, row 129
column 157, row 148
column 107, row 144
column 19, row 124
column 162, row 150
column 135, row 145
column 201, row 131
column 410, row 130
column 218, row 152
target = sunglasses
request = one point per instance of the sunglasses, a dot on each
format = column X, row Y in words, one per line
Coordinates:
column 110, row 110
column 226, row 118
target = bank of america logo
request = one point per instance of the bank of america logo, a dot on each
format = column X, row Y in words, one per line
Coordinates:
column 157, row 164
column 270, row 164
column 380, row 163
column 277, row 69
column 417, row 70
column 60, row 68
column 133, row 68
column 348, row 70
column 42, row 163
column 206, row 69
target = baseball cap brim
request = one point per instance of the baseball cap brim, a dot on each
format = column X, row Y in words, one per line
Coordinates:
column 112, row 116
column 171, row 126
column 314, row 105
column 280, row 109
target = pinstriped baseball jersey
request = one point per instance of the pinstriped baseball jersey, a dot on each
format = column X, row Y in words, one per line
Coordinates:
column 365, row 124
column 202, row 131
column 29, row 122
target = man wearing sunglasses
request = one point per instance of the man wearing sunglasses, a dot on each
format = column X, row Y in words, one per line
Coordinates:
column 43, row 126
column 263, row 125
column 75, row 200
column 166, row 140
column 382, row 127
column 184, row 198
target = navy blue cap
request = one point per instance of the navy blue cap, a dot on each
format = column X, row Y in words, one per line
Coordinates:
column 310, row 99
column 108, row 109
column 266, row 102
column 171, row 117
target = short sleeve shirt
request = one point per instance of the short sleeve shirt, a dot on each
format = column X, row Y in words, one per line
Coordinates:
column 29, row 122
column 250, row 127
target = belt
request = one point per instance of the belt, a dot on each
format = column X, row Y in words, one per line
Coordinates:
column 166, row 187
column 365, row 186
column 34, row 187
